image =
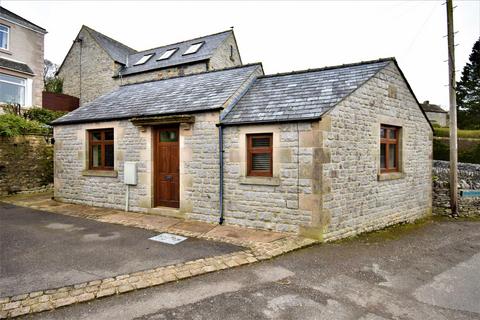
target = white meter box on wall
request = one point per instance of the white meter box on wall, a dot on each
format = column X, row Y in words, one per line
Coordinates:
column 130, row 173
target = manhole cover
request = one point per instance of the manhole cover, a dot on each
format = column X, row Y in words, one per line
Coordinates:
column 168, row 238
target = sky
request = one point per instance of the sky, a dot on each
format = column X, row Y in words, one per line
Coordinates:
column 283, row 35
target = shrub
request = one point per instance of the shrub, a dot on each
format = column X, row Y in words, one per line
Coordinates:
column 12, row 125
column 468, row 150
column 445, row 132
column 42, row 115
column 54, row 85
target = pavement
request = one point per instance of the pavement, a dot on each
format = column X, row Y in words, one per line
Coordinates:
column 427, row 270
column 41, row 250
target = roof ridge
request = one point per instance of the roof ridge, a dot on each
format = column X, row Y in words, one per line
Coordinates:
column 22, row 18
column 346, row 65
column 109, row 38
column 176, row 43
column 195, row 74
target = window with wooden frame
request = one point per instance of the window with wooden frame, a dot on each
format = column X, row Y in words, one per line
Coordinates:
column 389, row 148
column 259, row 154
column 100, row 149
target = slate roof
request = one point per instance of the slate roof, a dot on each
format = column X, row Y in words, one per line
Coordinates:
column 180, row 95
column 427, row 107
column 15, row 66
column 210, row 44
column 116, row 50
column 8, row 15
column 302, row 95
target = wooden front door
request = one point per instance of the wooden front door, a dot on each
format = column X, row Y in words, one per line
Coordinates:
column 166, row 167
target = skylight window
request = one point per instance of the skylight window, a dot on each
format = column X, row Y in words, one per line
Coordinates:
column 144, row 59
column 193, row 48
column 167, row 54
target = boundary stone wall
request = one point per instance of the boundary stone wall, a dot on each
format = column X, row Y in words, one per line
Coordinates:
column 26, row 164
column 468, row 179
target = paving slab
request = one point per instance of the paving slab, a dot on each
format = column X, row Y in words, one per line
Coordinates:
column 245, row 234
column 41, row 250
column 194, row 226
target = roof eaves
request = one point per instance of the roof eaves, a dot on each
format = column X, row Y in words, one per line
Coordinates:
column 250, row 122
column 36, row 28
column 196, row 74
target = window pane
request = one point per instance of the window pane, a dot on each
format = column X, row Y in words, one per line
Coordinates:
column 12, row 93
column 392, row 134
column 108, row 134
column 261, row 142
column 261, row 162
column 96, row 135
column 168, row 136
column 382, row 155
column 4, row 37
column 392, row 150
column 12, row 79
column 383, row 133
column 109, row 155
column 96, row 156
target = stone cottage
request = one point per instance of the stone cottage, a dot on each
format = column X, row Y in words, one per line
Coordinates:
column 326, row 153
column 435, row 113
column 96, row 64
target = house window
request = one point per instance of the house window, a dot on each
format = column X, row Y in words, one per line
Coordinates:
column 389, row 141
column 100, row 144
column 4, row 35
column 193, row 48
column 144, row 59
column 12, row 89
column 259, row 154
column 167, row 54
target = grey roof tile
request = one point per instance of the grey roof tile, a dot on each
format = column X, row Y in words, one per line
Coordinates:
column 210, row 44
column 8, row 15
column 16, row 66
column 302, row 95
column 187, row 94
column 116, row 50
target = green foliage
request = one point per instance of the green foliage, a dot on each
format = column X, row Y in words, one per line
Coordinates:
column 468, row 92
column 12, row 125
column 469, row 134
column 54, row 85
column 42, row 115
column 468, row 152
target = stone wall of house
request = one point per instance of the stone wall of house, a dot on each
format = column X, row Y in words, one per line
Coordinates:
column 438, row 118
column 282, row 202
column 198, row 167
column 26, row 46
column 355, row 196
column 75, row 184
column 26, row 164
column 162, row 74
column 226, row 55
column 468, row 178
column 87, row 70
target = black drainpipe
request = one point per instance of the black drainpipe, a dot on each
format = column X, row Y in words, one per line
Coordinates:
column 220, row 147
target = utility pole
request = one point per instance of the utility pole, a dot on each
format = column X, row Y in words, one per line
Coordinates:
column 453, row 112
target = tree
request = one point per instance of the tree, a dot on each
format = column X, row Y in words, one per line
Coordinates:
column 468, row 92
column 51, row 82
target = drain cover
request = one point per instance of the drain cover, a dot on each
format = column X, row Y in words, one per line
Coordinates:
column 168, row 238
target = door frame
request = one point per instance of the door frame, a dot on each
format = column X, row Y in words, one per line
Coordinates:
column 155, row 141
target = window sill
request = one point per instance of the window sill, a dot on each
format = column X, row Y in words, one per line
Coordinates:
column 100, row 173
column 260, row 181
column 390, row 176
column 6, row 51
